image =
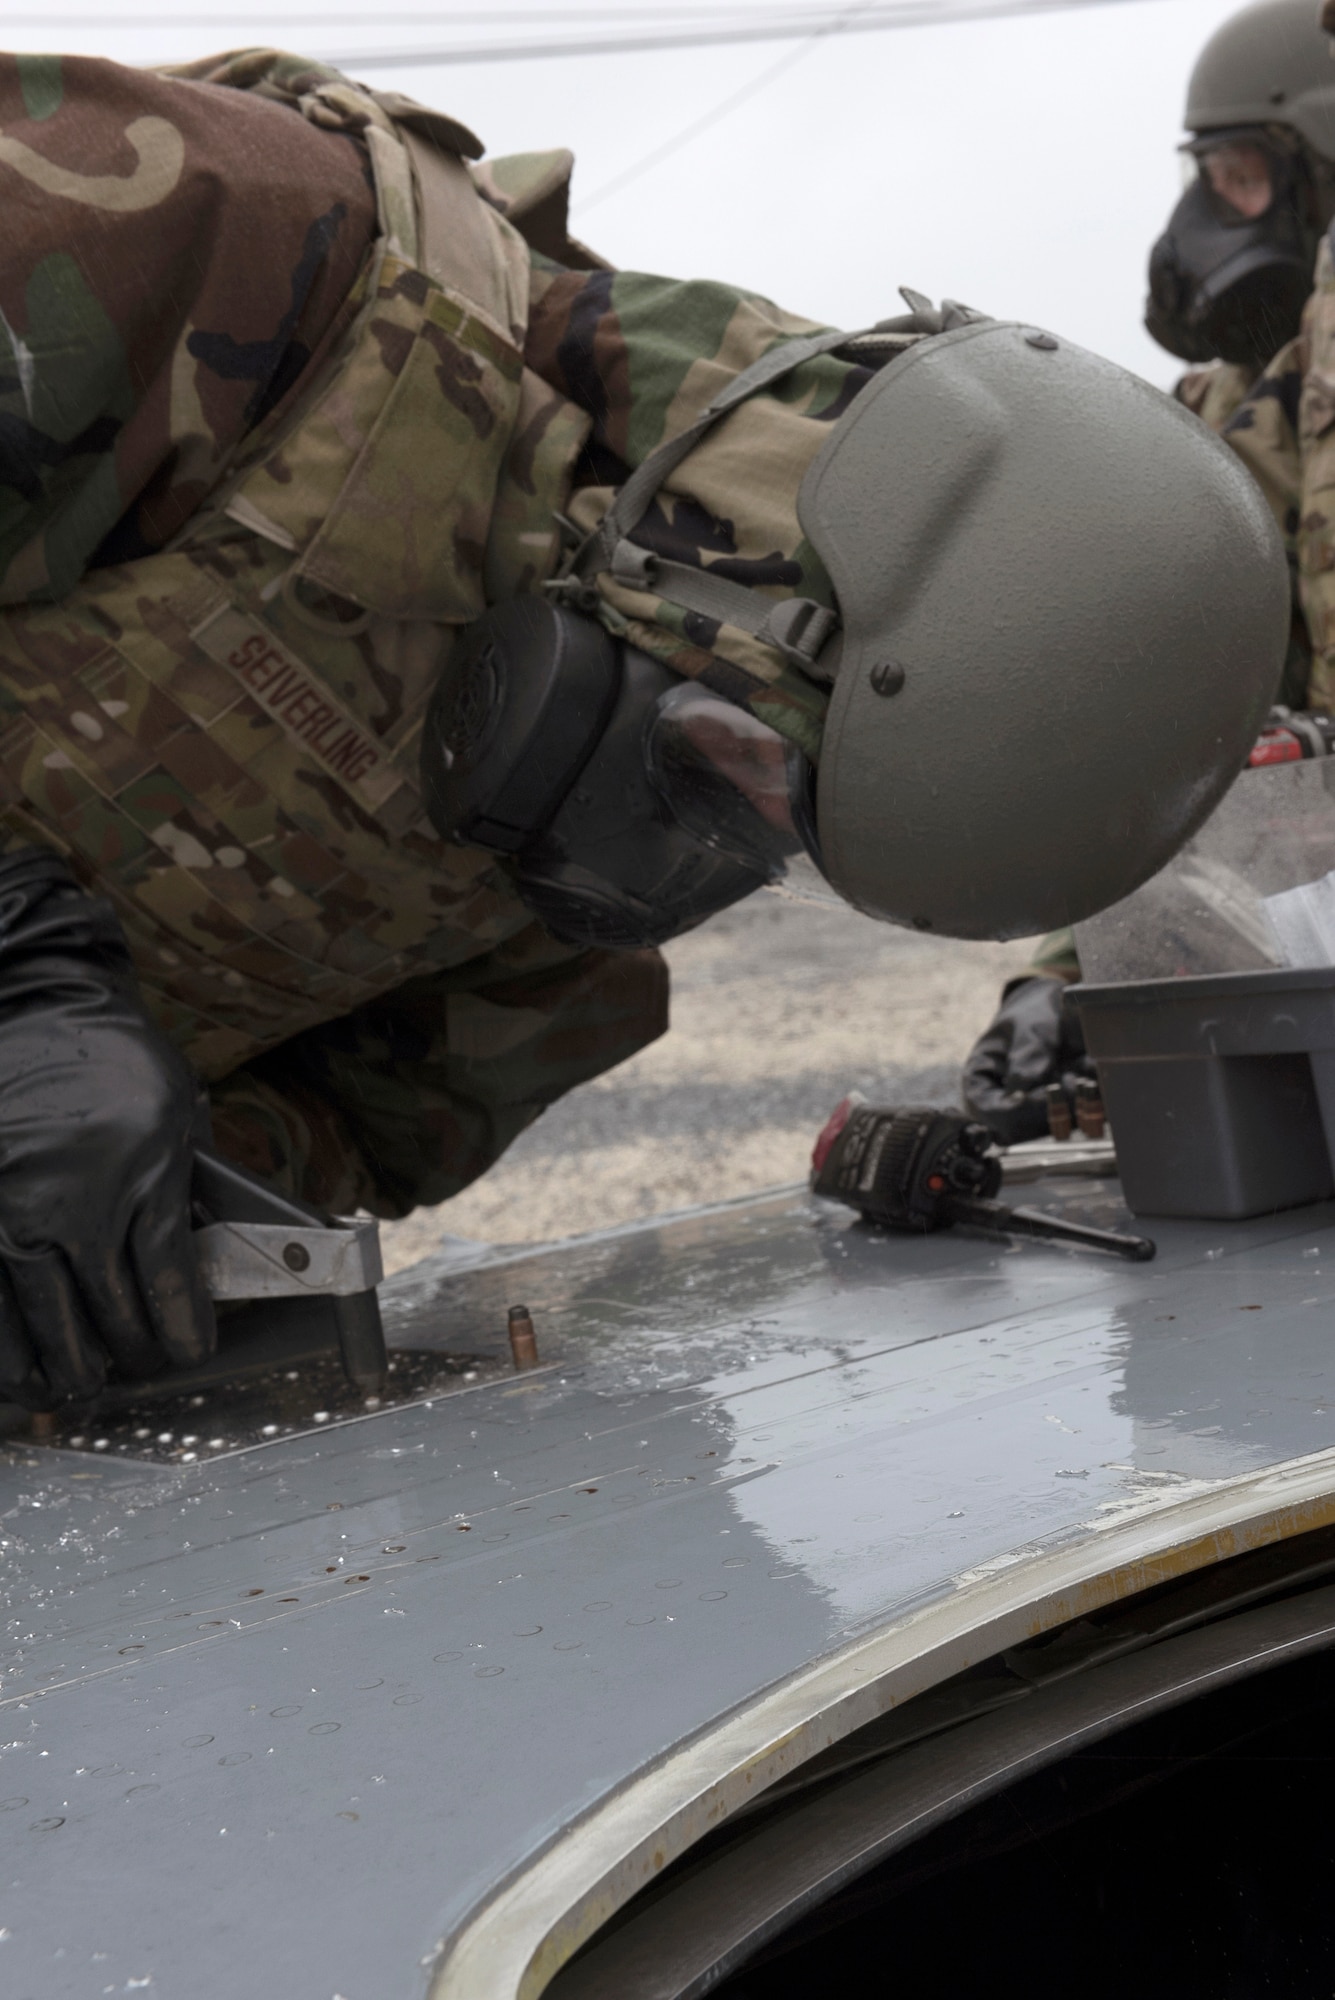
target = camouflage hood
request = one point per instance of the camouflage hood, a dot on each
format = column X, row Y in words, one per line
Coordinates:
column 112, row 440
column 131, row 366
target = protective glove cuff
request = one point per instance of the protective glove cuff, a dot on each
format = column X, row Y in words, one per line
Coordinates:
column 47, row 914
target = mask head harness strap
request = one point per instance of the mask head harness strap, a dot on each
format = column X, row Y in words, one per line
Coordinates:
column 797, row 627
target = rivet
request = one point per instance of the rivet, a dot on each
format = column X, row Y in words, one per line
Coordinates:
column 523, row 1340
column 887, row 677
column 1043, row 340
column 296, row 1256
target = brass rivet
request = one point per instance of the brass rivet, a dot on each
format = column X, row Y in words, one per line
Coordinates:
column 523, row 1340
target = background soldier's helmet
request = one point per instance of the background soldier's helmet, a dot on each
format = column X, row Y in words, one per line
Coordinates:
column 1232, row 271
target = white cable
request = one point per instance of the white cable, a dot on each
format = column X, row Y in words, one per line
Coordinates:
column 713, row 117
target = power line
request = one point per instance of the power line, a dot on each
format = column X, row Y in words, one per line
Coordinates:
column 728, row 26
column 910, row 14
column 488, row 16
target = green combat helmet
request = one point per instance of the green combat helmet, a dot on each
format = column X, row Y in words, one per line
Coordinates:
column 1232, row 271
column 1063, row 614
column 1060, row 607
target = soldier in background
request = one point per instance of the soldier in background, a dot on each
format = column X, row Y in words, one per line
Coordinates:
column 1228, row 282
column 408, row 624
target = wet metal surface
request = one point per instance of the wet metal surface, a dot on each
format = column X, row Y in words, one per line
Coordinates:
column 238, row 1411
column 276, row 1723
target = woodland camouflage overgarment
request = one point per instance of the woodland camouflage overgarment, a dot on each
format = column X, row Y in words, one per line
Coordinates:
column 258, row 459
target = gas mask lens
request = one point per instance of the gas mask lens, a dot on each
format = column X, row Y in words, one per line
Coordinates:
column 1241, row 176
column 729, row 780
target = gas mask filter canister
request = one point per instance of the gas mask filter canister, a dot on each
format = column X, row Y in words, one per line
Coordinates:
column 633, row 804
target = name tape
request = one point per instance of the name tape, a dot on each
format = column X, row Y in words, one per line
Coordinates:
column 305, row 710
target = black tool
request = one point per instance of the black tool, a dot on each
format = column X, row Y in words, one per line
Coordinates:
column 922, row 1168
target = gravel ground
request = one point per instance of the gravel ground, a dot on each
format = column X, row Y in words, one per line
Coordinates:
column 778, row 1008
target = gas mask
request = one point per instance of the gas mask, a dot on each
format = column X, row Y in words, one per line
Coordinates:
column 633, row 804
column 1232, row 272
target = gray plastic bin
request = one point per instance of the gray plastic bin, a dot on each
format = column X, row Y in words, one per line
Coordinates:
column 1220, row 1090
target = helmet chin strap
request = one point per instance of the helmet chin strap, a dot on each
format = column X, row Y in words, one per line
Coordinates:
column 797, row 627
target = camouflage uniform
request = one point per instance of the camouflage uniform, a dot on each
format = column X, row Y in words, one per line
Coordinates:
column 244, row 516
column 1285, row 431
column 1214, row 392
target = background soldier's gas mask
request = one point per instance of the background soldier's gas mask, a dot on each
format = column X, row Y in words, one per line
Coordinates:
column 1231, row 273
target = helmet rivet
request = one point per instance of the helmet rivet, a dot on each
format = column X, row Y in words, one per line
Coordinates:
column 887, row 678
column 1277, row 95
column 1043, row 340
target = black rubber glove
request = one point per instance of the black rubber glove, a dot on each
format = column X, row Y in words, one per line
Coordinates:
column 1033, row 1039
column 97, row 1120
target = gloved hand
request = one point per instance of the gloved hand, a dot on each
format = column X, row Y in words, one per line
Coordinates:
column 97, row 1117
column 1033, row 1039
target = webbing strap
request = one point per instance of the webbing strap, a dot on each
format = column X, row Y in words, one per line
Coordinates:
column 462, row 243
column 598, row 550
column 797, row 626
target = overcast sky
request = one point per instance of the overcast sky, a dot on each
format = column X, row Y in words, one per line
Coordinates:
column 1024, row 166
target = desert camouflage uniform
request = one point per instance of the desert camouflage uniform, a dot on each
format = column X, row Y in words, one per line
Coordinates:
column 245, row 499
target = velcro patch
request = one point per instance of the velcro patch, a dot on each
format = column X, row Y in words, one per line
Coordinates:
column 297, row 701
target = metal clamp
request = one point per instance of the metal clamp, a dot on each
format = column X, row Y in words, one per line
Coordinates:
column 255, row 1243
column 273, row 1260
